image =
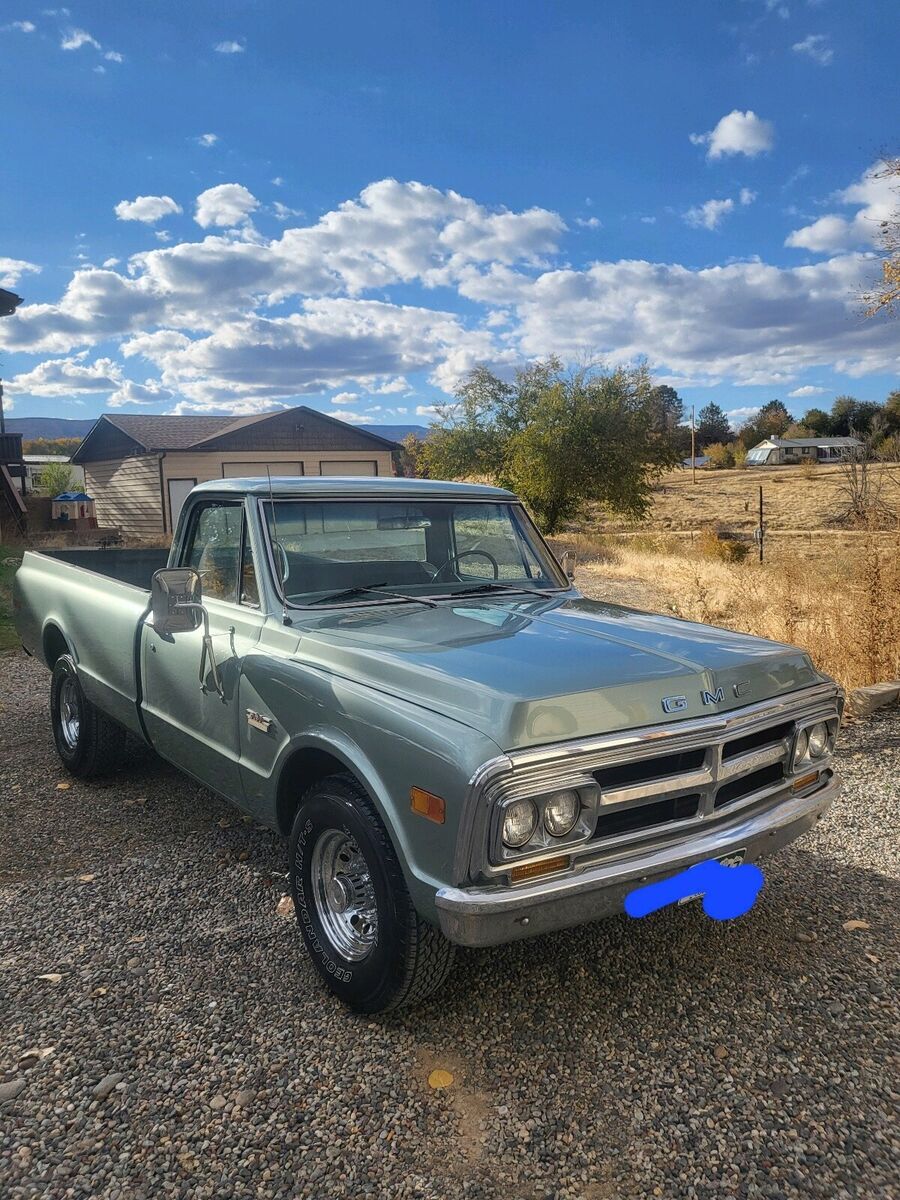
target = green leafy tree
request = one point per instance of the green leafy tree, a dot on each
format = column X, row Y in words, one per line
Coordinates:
column 712, row 426
column 818, row 421
column 852, row 417
column 560, row 439
column 773, row 419
column 666, row 408
column 56, row 478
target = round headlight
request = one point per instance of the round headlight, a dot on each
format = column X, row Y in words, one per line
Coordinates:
column 519, row 823
column 561, row 812
column 818, row 740
column 802, row 745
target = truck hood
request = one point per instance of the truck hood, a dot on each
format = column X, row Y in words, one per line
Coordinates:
column 529, row 671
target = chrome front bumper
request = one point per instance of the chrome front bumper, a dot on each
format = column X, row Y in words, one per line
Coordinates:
column 490, row 916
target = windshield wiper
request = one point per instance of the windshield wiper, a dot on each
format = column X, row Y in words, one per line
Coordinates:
column 492, row 586
column 376, row 589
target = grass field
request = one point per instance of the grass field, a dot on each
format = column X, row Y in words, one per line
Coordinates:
column 10, row 558
column 793, row 500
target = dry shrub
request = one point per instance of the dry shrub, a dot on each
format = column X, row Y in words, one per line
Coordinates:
column 842, row 606
column 713, row 544
column 808, row 468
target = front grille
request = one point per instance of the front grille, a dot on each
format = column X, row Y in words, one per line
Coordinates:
column 746, row 785
column 661, row 812
column 752, row 741
column 647, row 793
column 649, row 768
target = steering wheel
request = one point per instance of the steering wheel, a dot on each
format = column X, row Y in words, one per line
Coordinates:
column 455, row 559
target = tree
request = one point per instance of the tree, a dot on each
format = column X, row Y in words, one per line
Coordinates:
column 818, row 421
column 56, row 478
column 885, row 295
column 560, row 439
column 850, row 416
column 712, row 425
column 65, row 447
column 773, row 419
column 666, row 408
column 797, row 429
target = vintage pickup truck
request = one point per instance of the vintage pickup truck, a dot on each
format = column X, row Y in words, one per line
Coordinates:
column 398, row 675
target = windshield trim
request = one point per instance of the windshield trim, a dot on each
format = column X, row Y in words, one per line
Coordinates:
column 288, row 605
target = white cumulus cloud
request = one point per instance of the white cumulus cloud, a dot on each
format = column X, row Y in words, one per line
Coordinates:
column 802, row 393
column 817, row 47
column 62, row 376
column 876, row 197
column 18, row 27
column 710, row 214
column 74, row 39
column 207, row 139
column 148, row 209
column 12, row 270
column 737, row 133
column 226, row 205
column 345, row 398
column 229, row 47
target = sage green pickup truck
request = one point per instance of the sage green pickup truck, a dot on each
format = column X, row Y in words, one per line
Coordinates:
column 399, row 676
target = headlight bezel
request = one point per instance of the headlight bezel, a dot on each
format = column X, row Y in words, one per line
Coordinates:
column 802, row 757
column 542, row 841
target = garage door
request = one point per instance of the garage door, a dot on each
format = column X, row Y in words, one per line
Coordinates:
column 337, row 466
column 240, row 470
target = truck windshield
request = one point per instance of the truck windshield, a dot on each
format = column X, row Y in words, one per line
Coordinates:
column 436, row 548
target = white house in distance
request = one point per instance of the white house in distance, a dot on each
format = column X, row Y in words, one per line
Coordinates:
column 780, row 452
column 36, row 463
column 140, row 469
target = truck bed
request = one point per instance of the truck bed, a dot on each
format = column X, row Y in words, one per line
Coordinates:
column 93, row 603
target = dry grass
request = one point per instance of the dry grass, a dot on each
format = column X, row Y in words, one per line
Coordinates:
column 843, row 606
column 796, row 498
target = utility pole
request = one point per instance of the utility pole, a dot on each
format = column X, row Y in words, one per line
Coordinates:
column 9, row 302
column 2, row 421
column 760, row 530
column 693, row 448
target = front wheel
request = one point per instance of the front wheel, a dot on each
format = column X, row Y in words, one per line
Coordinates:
column 362, row 932
column 87, row 741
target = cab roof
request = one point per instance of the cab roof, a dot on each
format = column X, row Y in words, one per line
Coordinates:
column 356, row 487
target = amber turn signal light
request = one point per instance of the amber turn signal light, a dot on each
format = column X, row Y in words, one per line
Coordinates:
column 805, row 781
column 426, row 804
column 533, row 870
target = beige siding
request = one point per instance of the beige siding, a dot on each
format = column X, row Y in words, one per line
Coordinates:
column 189, row 464
column 127, row 494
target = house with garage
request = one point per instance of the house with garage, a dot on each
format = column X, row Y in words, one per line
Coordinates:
column 138, row 469
column 781, row 452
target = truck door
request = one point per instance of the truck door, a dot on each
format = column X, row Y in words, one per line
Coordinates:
column 188, row 721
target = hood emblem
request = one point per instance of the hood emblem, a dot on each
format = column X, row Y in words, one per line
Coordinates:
column 672, row 704
column 715, row 697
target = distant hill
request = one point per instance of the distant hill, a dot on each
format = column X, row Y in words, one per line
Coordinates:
column 61, row 427
column 48, row 427
column 396, row 433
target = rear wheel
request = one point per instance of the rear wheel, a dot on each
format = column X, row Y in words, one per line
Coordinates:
column 362, row 932
column 87, row 741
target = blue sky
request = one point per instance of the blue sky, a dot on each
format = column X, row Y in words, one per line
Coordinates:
column 234, row 206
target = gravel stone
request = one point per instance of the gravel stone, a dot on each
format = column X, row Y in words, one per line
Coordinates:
column 106, row 1085
column 587, row 1065
column 12, row 1088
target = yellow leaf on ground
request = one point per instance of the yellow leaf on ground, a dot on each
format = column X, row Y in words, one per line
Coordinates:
column 61, row 787
column 440, row 1079
column 285, row 907
column 86, row 878
column 51, row 977
column 851, row 925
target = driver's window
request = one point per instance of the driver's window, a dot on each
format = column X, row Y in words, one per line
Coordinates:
column 214, row 548
column 485, row 535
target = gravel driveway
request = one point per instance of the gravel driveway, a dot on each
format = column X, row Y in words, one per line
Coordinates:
column 162, row 1035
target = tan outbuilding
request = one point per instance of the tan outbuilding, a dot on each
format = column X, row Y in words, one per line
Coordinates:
column 139, row 469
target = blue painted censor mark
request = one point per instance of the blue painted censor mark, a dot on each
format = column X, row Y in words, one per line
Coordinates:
column 727, row 892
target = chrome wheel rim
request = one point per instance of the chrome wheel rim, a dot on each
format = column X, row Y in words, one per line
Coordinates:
column 69, row 712
column 344, row 895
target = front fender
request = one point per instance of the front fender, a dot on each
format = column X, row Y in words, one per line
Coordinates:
column 388, row 743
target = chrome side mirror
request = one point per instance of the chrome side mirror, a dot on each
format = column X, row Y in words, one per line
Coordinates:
column 176, row 596
column 569, row 561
